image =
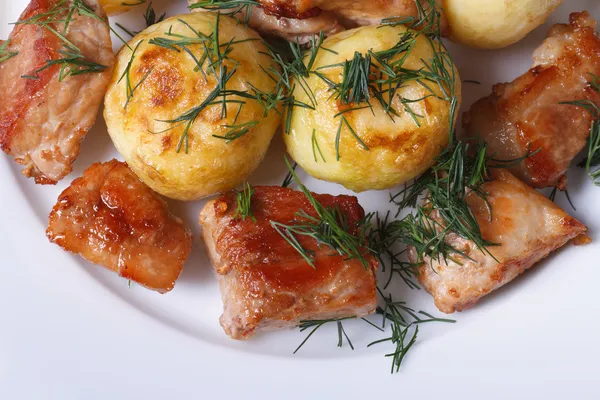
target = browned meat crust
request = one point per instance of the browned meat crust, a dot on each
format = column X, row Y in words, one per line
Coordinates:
column 110, row 218
column 526, row 112
column 264, row 281
column 43, row 120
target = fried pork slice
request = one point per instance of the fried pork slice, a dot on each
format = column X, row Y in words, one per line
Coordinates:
column 110, row 218
column 525, row 225
column 43, row 119
column 264, row 281
column 526, row 112
column 359, row 13
column 300, row 20
column 273, row 19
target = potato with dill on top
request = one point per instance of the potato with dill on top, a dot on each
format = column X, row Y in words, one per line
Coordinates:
column 376, row 108
column 184, row 106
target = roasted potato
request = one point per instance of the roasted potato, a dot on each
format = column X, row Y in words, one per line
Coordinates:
column 114, row 7
column 167, row 116
column 492, row 24
column 365, row 147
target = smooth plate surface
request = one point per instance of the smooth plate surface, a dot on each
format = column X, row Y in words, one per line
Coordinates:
column 70, row 330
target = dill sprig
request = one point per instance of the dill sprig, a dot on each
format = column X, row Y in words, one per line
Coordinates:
column 228, row 7
column 329, row 228
column 189, row 117
column 136, row 3
column 555, row 190
column 404, row 322
column 63, row 13
column 211, row 60
column 72, row 63
column 289, row 179
column 592, row 161
column 377, row 76
column 316, row 324
column 315, row 147
column 386, row 242
column 130, row 88
column 150, row 16
column 291, row 62
column 150, row 19
column 355, row 82
column 458, row 171
column 244, row 203
column 6, row 54
column 593, row 158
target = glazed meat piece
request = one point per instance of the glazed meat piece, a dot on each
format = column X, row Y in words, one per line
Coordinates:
column 526, row 112
column 43, row 119
column 525, row 225
column 300, row 30
column 264, row 281
column 301, row 20
column 287, row 23
column 358, row 13
column 110, row 218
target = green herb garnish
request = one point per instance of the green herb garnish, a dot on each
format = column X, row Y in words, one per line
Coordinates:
column 228, row 7
column 72, row 62
column 592, row 161
column 6, row 54
column 244, row 203
column 329, row 228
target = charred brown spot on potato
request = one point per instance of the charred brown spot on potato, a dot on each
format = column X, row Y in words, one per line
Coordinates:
column 427, row 106
column 165, row 81
column 166, row 142
column 405, row 141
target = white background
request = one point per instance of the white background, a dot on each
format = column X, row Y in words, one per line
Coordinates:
column 69, row 330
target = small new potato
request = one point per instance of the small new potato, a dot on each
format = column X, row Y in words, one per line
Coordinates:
column 492, row 24
column 166, row 116
column 115, row 7
column 394, row 148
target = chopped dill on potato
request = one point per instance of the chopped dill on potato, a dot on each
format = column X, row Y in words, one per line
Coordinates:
column 211, row 61
column 130, row 88
column 228, row 7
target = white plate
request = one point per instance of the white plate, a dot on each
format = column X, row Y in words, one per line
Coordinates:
column 70, row 330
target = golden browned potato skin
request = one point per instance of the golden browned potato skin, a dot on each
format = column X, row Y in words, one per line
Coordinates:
column 115, row 7
column 398, row 149
column 172, row 87
column 492, row 24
